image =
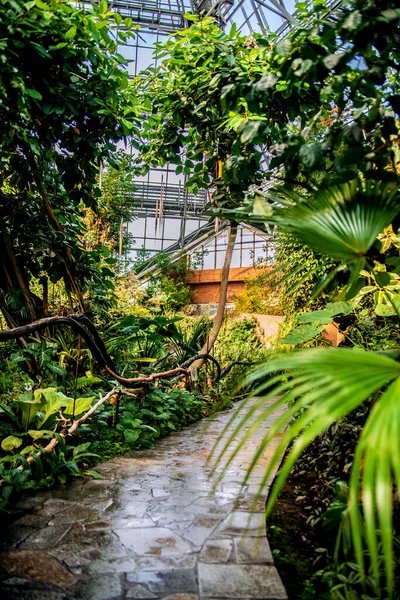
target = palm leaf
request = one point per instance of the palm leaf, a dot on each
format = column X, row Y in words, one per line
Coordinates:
column 377, row 466
column 322, row 385
column 341, row 221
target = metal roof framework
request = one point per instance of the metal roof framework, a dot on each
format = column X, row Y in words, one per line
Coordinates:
column 194, row 242
column 168, row 15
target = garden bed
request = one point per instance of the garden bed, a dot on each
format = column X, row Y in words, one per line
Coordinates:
column 293, row 543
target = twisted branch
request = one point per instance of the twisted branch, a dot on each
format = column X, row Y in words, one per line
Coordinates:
column 83, row 326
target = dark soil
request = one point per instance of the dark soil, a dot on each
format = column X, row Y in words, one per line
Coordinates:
column 294, row 543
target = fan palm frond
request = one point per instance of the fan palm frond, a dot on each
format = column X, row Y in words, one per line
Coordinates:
column 322, row 385
column 342, row 221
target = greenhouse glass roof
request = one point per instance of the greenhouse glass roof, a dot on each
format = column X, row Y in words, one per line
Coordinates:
column 168, row 15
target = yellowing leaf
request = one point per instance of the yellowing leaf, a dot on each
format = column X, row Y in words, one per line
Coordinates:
column 11, row 442
column 71, row 33
column 81, row 406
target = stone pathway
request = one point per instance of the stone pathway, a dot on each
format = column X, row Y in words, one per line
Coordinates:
column 150, row 529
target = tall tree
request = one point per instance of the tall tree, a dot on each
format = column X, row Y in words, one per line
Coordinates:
column 64, row 104
column 186, row 122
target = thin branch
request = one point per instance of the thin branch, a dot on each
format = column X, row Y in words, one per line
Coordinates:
column 84, row 327
column 75, row 425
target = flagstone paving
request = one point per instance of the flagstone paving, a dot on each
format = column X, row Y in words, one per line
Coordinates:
column 152, row 528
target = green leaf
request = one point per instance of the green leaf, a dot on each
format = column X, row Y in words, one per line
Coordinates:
column 250, row 131
column 71, row 33
column 325, row 316
column 117, row 18
column 339, row 221
column 93, row 474
column 190, row 17
column 81, row 450
column 266, row 82
column 33, row 93
column 131, row 435
column 214, row 81
column 301, row 66
column 5, row 409
column 29, row 406
column 11, row 442
column 37, row 434
column 82, row 405
column 224, row 92
column 87, row 381
column 127, row 124
column 283, row 47
column 353, row 20
column 261, row 208
column 56, row 369
column 50, row 401
column 387, row 309
column 113, row 163
column 332, row 60
column 391, row 13
column 303, row 333
column 382, row 278
column 310, row 154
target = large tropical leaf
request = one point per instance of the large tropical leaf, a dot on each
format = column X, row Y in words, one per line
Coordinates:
column 341, row 221
column 322, row 385
column 29, row 404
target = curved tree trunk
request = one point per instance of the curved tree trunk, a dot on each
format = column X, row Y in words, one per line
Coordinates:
column 69, row 278
column 84, row 327
column 223, row 292
column 13, row 279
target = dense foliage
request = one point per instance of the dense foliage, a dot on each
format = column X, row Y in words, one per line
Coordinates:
column 37, row 410
column 168, row 290
column 106, row 226
column 65, row 103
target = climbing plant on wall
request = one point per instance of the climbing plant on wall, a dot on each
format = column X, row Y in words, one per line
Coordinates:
column 106, row 225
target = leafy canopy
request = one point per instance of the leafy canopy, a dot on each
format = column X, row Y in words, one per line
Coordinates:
column 320, row 103
column 64, row 104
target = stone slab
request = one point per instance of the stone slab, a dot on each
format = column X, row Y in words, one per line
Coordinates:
column 160, row 563
column 239, row 523
column 139, row 591
column 217, row 551
column 37, row 566
column 161, row 582
column 240, row 581
column 252, row 550
column 153, row 540
column 104, row 587
column 46, row 538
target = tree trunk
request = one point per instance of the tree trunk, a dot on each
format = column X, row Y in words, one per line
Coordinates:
column 223, row 291
column 13, row 281
column 70, row 279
